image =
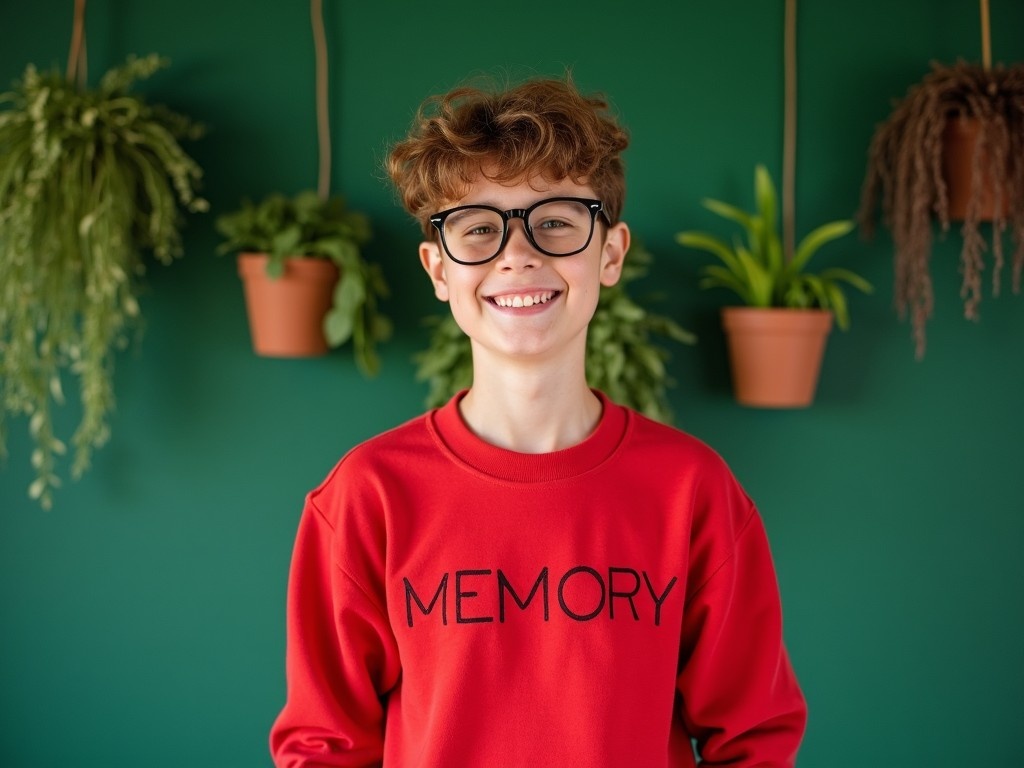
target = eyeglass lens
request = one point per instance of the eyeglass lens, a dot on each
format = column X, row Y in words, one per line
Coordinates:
column 559, row 227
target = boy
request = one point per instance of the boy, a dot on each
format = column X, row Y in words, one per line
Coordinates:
column 531, row 576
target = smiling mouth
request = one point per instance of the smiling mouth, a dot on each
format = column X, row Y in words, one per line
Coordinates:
column 524, row 299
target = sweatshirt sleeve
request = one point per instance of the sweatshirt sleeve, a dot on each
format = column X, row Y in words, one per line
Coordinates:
column 741, row 699
column 341, row 660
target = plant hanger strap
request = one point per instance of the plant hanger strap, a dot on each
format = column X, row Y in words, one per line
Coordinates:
column 789, row 135
column 76, row 56
column 986, row 37
column 986, row 45
column 316, row 11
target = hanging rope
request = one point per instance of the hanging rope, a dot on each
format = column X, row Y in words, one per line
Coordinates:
column 986, row 38
column 789, row 134
column 322, row 119
column 76, row 56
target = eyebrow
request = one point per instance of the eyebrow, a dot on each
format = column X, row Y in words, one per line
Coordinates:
column 500, row 207
column 455, row 217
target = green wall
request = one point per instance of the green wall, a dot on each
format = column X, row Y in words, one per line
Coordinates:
column 141, row 620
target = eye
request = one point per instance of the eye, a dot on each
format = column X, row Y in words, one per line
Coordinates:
column 553, row 224
column 559, row 218
column 481, row 229
column 473, row 223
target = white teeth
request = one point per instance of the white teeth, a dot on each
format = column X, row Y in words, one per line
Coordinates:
column 526, row 300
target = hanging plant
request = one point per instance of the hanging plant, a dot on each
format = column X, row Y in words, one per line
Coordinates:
column 624, row 359
column 909, row 180
column 89, row 179
column 308, row 227
column 757, row 270
column 308, row 285
column 777, row 335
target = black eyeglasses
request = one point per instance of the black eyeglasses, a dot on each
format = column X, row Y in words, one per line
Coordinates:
column 557, row 226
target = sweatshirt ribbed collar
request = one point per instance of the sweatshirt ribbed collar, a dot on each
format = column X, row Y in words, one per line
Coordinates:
column 465, row 447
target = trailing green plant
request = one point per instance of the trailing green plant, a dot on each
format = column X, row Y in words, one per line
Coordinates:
column 759, row 272
column 624, row 357
column 308, row 225
column 89, row 179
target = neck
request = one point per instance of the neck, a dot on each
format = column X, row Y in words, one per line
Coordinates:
column 530, row 408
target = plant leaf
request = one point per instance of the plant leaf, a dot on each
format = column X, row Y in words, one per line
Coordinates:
column 759, row 279
column 764, row 195
column 338, row 327
column 817, row 238
column 713, row 245
column 837, row 303
column 858, row 282
column 285, row 242
column 725, row 210
column 723, row 278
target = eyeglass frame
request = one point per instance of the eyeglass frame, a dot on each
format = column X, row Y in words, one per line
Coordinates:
column 594, row 206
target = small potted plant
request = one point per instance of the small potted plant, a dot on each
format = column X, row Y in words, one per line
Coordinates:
column 951, row 150
column 624, row 357
column 777, row 338
column 307, row 285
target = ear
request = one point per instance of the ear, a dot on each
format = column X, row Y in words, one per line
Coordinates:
column 613, row 253
column 433, row 263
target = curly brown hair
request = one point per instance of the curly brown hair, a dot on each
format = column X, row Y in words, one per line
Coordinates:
column 905, row 179
column 541, row 126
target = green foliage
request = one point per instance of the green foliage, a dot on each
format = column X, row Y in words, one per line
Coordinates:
column 88, row 179
column 447, row 363
column 308, row 226
column 623, row 358
column 758, row 271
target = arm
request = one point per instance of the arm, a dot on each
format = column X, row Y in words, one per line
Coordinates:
column 741, row 700
column 341, row 661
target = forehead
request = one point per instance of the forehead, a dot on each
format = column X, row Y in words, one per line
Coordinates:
column 521, row 193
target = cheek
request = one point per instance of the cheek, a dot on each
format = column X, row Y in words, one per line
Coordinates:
column 461, row 293
column 591, row 299
column 465, row 316
column 587, row 282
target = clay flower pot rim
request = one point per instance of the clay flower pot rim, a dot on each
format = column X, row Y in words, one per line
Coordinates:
column 257, row 259
column 795, row 310
column 778, row 316
column 292, row 257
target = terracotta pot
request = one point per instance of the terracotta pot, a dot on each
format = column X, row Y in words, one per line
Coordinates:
column 958, row 141
column 286, row 314
column 775, row 354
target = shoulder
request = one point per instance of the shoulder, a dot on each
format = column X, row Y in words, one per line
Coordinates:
column 683, row 464
column 364, row 470
column 412, row 436
column 674, row 445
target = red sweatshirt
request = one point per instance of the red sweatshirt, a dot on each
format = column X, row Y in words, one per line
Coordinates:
column 456, row 604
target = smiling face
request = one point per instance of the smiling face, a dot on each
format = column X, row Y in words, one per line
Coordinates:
column 525, row 307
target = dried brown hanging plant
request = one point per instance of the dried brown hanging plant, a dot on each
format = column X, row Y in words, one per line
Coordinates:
column 905, row 179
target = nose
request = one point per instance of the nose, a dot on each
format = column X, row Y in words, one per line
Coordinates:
column 518, row 252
